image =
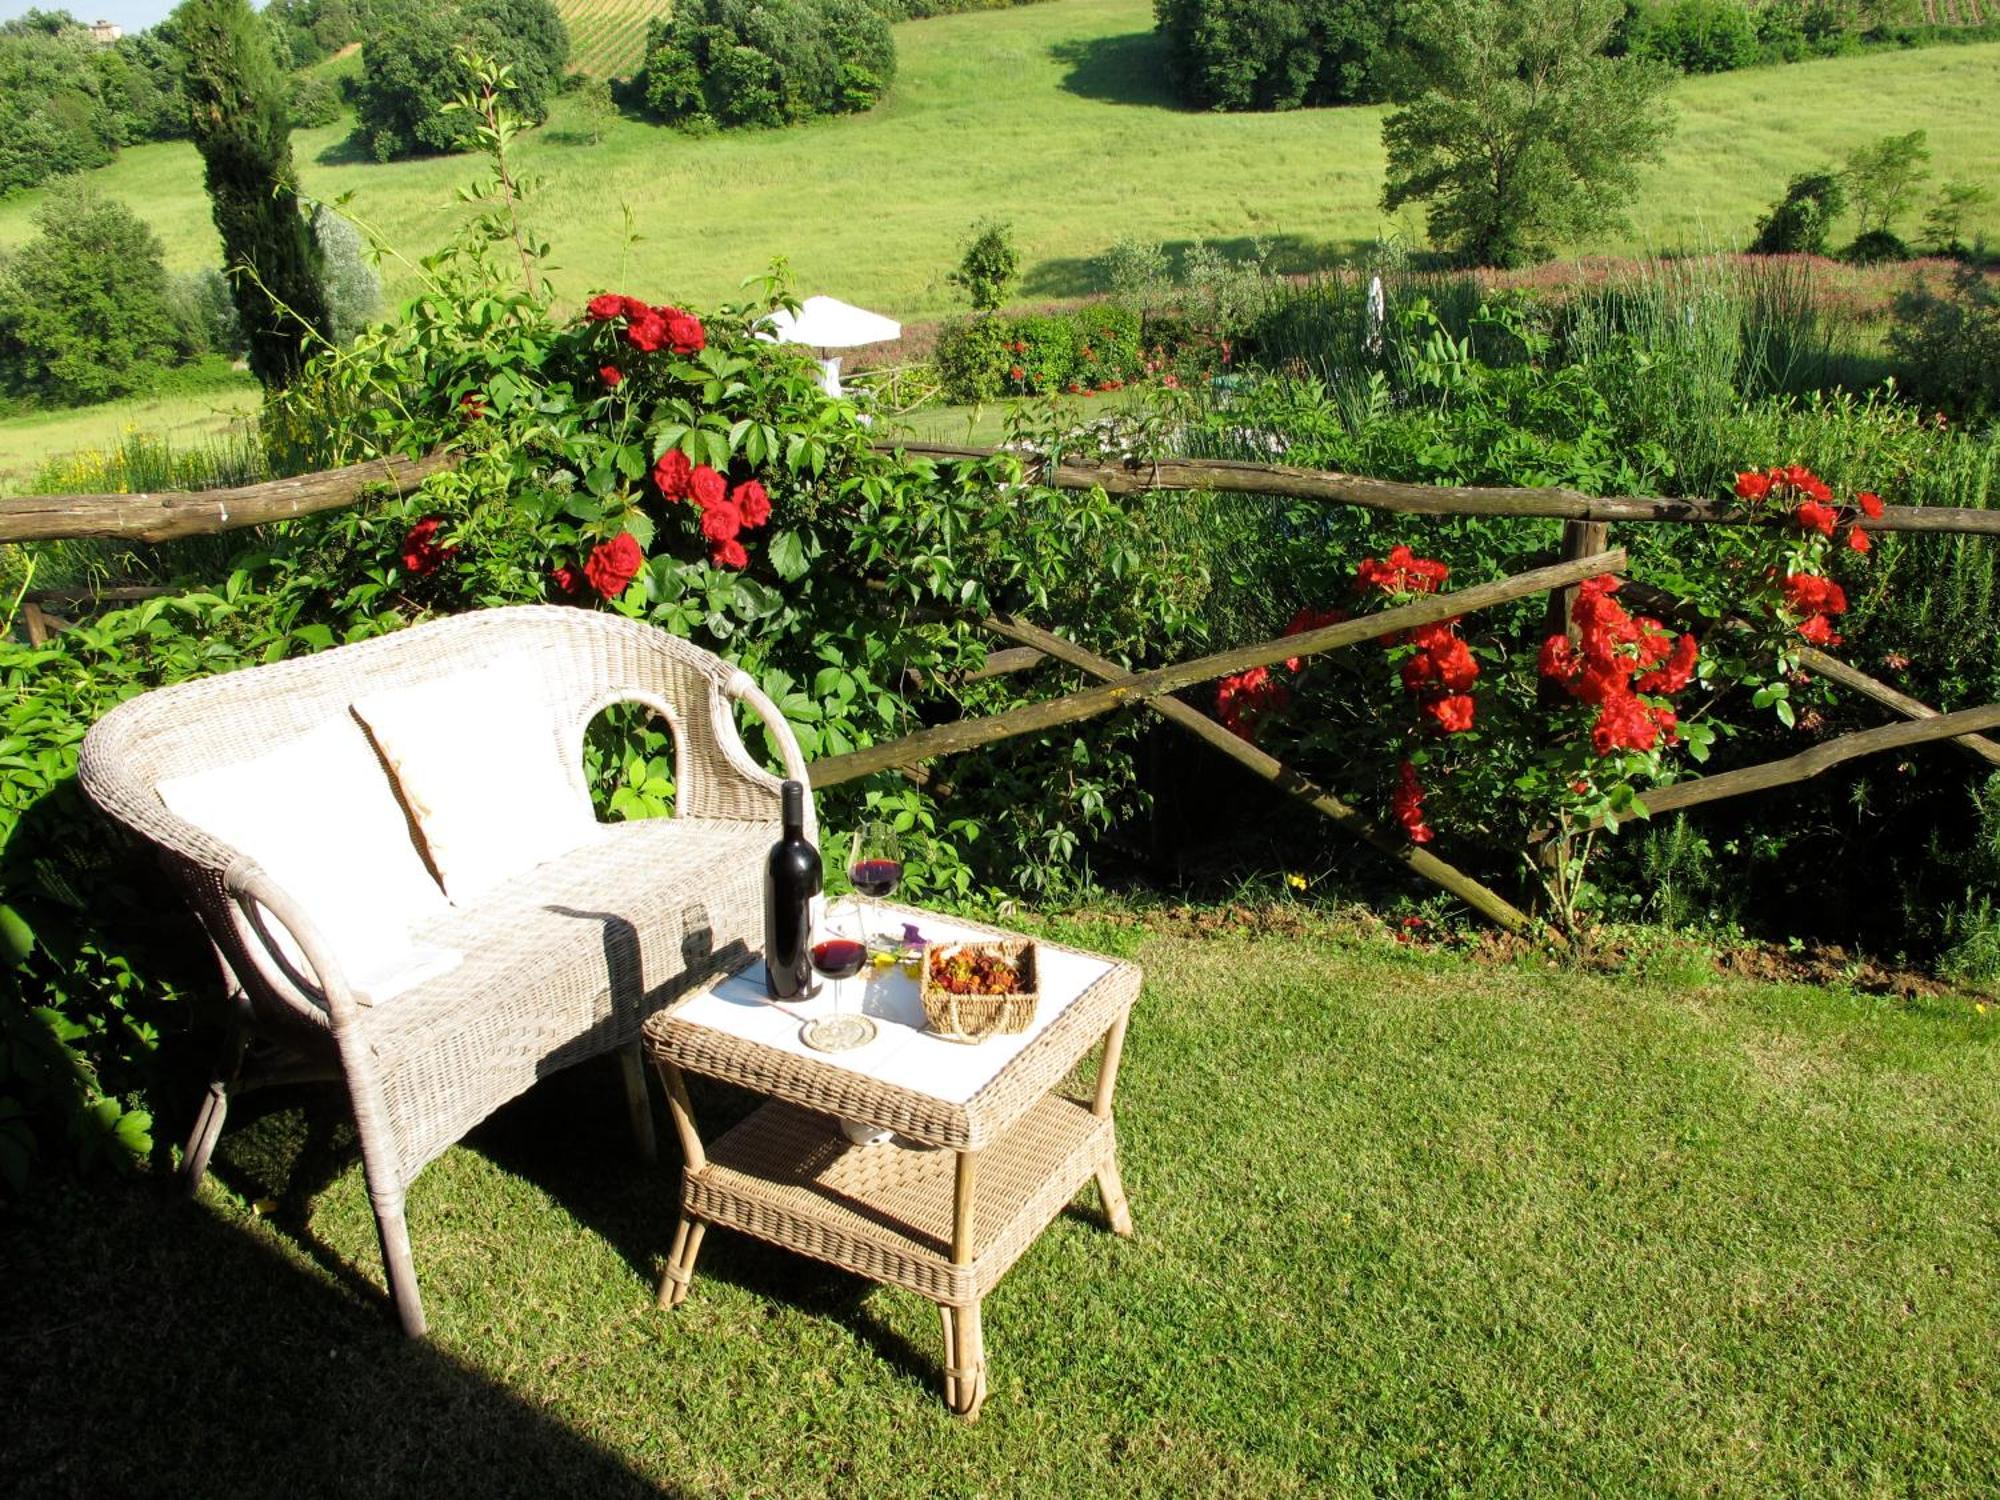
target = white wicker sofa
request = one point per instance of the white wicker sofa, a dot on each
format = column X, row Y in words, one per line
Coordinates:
column 556, row 964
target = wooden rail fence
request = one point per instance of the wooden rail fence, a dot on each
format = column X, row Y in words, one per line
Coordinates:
column 1584, row 554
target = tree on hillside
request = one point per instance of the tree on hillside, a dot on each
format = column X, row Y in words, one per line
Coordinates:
column 84, row 306
column 1799, row 222
column 1523, row 134
column 414, row 64
column 238, row 117
column 1884, row 178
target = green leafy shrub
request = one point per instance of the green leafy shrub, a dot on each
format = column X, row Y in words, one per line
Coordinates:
column 1279, row 54
column 1099, row 346
column 1874, row 247
column 1800, row 222
column 314, row 102
column 1697, row 36
column 728, row 63
column 414, row 63
column 988, row 266
column 67, row 104
column 972, row 358
column 1947, row 344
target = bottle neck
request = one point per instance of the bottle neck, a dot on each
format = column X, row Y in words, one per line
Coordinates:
column 794, row 803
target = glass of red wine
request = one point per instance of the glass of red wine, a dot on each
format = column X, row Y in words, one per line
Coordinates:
column 837, row 958
column 875, row 867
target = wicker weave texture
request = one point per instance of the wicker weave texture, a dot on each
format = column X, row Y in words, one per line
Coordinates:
column 789, row 1176
column 563, row 963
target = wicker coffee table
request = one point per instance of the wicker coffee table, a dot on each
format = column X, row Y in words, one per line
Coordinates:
column 987, row 1151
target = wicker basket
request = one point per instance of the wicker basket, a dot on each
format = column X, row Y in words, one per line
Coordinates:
column 971, row 1018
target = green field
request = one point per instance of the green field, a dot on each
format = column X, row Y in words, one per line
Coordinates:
column 1056, row 117
column 1405, row 1226
column 607, row 37
column 26, row 443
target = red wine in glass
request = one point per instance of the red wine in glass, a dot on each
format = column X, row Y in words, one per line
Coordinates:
column 839, row 958
column 836, row 959
column 876, row 878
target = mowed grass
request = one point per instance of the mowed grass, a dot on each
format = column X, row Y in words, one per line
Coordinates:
column 607, row 38
column 1404, row 1226
column 27, row 442
column 1056, row 117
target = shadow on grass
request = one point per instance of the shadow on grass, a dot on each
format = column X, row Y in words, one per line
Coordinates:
column 154, row 1348
column 1288, row 255
column 1128, row 69
column 350, row 150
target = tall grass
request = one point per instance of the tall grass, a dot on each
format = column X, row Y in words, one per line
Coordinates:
column 137, row 463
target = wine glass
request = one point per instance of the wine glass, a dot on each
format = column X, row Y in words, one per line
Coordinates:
column 875, row 868
column 837, row 958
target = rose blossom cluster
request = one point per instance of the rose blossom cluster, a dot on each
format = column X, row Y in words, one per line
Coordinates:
column 1815, row 600
column 420, row 553
column 1810, row 500
column 1242, row 700
column 647, row 328
column 1620, row 664
column 726, row 513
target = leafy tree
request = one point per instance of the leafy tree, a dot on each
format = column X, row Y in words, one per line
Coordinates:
column 765, row 62
column 1947, row 345
column 414, row 64
column 353, row 290
column 237, row 117
column 1523, row 135
column 597, row 105
column 85, row 309
column 1800, row 222
column 988, row 266
column 1698, row 36
column 1944, row 220
column 1884, row 178
column 1279, row 54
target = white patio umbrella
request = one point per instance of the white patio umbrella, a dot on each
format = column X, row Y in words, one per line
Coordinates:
column 828, row 323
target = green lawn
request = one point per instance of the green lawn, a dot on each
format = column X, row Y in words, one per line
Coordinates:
column 1056, row 117
column 27, row 442
column 1404, row 1226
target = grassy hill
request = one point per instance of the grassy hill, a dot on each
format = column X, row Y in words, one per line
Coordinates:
column 1056, row 117
column 606, row 36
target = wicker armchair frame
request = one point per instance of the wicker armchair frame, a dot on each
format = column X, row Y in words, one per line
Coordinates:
column 415, row 1090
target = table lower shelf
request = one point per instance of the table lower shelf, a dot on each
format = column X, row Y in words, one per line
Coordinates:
column 789, row 1176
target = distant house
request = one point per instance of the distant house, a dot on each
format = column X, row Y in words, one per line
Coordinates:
column 104, row 33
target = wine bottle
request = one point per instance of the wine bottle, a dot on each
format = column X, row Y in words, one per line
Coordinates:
column 791, row 880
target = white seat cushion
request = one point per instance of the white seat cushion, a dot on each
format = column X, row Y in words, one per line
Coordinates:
column 320, row 815
column 480, row 763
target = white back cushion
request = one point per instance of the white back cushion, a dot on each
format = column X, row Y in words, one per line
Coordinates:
column 482, row 766
column 320, row 815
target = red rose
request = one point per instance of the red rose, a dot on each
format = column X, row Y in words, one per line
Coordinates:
column 1857, row 539
column 1017, row 374
column 1453, row 714
column 566, row 579
column 472, row 406
column 1753, row 485
column 648, row 331
column 672, row 474
column 614, row 564
column 421, row 555
column 1870, row 503
column 684, row 330
column 1818, row 630
column 1813, row 516
column 707, row 486
column 605, row 307
column 611, row 375
column 1407, row 802
column 751, row 500
column 1675, row 672
column 729, row 554
column 721, row 522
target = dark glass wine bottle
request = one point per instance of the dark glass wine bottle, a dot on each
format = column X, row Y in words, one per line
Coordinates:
column 791, row 880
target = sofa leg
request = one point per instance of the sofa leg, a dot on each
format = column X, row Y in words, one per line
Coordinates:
column 214, row 1108
column 632, row 1063
column 395, row 1232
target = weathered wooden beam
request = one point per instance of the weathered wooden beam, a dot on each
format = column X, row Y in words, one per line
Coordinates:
column 1135, row 475
column 1033, row 718
column 1822, row 757
column 1821, row 664
column 162, row 517
column 1004, row 663
column 1413, row 857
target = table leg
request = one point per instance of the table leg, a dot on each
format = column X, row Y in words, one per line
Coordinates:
column 678, row 1272
column 679, row 1269
column 1111, row 1186
column 964, row 1345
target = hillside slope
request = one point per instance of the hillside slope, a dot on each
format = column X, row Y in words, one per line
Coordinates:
column 1055, row 118
column 606, row 37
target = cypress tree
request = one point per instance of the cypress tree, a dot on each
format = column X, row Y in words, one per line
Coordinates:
column 239, row 122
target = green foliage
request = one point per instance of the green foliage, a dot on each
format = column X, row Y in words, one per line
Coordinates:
column 1884, row 177
column 1279, row 54
column 1944, row 220
column 86, row 310
column 1099, row 346
column 1523, row 135
column 1800, row 222
column 1697, row 36
column 353, row 290
column 598, row 106
column 733, row 63
column 314, row 102
column 1948, row 344
column 237, row 116
column 67, row 104
column 414, row 62
column 988, row 265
